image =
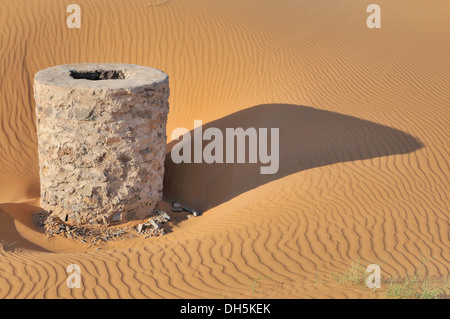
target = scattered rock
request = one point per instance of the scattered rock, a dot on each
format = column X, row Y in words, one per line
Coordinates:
column 162, row 213
column 155, row 224
column 176, row 205
column 139, row 228
column 192, row 211
column 177, row 209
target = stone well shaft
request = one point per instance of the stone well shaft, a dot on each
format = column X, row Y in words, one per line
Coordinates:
column 102, row 140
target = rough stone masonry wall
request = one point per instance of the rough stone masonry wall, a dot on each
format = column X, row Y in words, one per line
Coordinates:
column 102, row 141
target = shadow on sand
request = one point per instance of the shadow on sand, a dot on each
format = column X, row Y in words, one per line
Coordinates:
column 10, row 238
column 308, row 138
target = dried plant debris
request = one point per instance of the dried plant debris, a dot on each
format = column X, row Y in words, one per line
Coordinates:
column 39, row 218
column 54, row 226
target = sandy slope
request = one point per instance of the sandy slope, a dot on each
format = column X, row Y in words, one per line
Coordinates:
column 364, row 126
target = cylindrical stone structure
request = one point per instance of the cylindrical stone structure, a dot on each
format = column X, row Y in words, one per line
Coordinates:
column 102, row 140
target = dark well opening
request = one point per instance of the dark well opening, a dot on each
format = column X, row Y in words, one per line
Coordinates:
column 97, row 75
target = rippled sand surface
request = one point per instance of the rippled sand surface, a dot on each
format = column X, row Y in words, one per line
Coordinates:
column 364, row 145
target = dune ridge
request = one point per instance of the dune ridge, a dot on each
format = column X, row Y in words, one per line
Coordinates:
column 385, row 200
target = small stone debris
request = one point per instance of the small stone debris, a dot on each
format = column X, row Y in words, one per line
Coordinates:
column 155, row 224
column 176, row 205
column 193, row 212
column 162, row 213
column 139, row 228
column 177, row 209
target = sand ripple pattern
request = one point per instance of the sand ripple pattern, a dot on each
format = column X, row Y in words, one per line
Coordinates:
column 283, row 238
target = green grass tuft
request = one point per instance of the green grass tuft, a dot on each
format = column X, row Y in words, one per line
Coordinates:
column 414, row 288
column 356, row 275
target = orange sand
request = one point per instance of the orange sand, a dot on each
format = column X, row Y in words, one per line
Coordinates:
column 364, row 142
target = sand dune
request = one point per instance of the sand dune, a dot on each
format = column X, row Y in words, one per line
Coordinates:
column 364, row 131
